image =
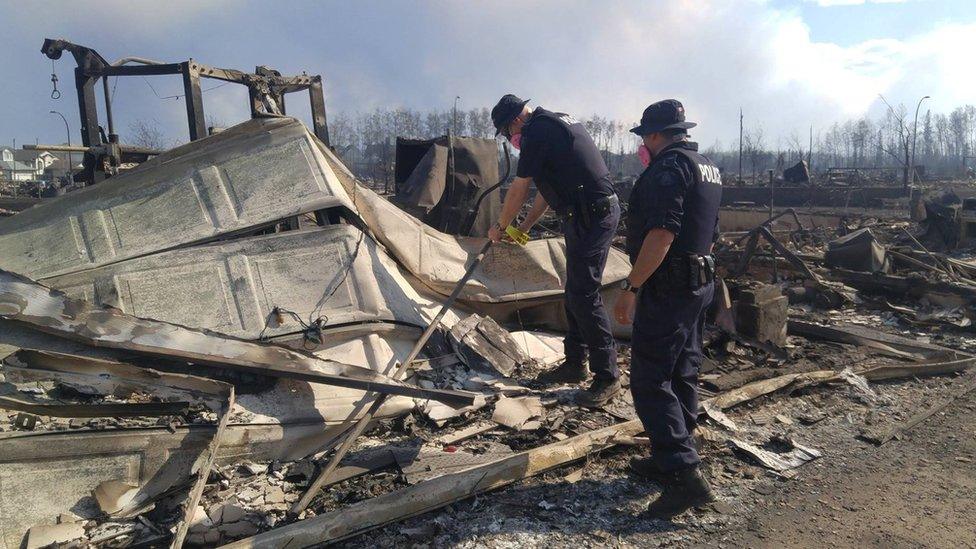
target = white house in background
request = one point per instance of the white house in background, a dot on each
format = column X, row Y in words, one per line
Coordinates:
column 22, row 165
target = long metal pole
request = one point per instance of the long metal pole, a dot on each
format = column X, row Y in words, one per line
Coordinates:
column 67, row 130
column 454, row 115
column 360, row 425
column 915, row 135
column 112, row 136
column 772, row 195
column 810, row 151
column 740, row 145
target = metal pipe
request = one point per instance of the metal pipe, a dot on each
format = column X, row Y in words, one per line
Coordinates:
column 740, row 145
column 455, row 113
column 915, row 135
column 772, row 194
column 112, row 137
column 324, row 476
column 78, row 149
column 140, row 60
column 67, row 130
column 473, row 216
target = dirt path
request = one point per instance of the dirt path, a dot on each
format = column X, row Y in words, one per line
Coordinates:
column 914, row 492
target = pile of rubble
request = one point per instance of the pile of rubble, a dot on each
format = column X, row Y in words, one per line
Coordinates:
column 191, row 348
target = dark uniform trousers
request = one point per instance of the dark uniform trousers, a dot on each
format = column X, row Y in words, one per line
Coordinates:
column 589, row 327
column 665, row 356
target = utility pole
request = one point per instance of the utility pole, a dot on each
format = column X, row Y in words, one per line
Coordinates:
column 772, row 193
column 454, row 115
column 810, row 151
column 915, row 135
column 740, row 145
column 68, row 131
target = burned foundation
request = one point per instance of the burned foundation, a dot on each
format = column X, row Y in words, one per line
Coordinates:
column 187, row 343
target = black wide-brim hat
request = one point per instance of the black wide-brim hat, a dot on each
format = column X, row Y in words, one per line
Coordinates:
column 508, row 107
column 663, row 115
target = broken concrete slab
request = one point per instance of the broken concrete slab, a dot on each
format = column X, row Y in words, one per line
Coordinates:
column 545, row 348
column 518, row 413
column 46, row 535
column 227, row 513
column 200, row 521
column 761, row 313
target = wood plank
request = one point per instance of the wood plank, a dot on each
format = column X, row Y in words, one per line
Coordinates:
column 436, row 493
column 882, row 436
column 46, row 407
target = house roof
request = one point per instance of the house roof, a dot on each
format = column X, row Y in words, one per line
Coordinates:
column 15, row 166
column 22, row 155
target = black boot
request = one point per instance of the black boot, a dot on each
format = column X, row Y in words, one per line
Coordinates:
column 647, row 468
column 599, row 393
column 683, row 490
column 567, row 372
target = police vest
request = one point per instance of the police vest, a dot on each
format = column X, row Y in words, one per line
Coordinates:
column 565, row 198
column 701, row 200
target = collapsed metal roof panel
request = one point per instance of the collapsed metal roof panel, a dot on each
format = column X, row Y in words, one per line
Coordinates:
column 256, row 173
column 232, row 287
column 26, row 302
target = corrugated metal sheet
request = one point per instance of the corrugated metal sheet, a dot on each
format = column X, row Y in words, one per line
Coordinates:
column 257, row 172
column 232, row 287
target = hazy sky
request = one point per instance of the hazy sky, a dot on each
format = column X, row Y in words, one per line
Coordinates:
column 787, row 63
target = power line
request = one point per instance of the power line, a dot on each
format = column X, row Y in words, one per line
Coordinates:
column 175, row 96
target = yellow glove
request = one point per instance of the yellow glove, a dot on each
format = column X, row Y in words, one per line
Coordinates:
column 516, row 235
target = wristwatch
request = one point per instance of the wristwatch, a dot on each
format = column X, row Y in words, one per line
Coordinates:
column 630, row 287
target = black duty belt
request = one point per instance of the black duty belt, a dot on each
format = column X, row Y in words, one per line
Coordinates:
column 682, row 272
column 591, row 210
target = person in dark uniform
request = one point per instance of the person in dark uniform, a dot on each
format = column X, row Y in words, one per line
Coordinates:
column 672, row 223
column 560, row 157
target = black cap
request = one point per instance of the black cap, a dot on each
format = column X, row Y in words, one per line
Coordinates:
column 663, row 115
column 508, row 107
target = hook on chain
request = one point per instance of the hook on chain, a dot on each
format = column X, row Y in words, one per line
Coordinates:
column 55, row 93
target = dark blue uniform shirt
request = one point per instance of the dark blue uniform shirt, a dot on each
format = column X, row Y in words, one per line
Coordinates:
column 562, row 159
column 680, row 191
